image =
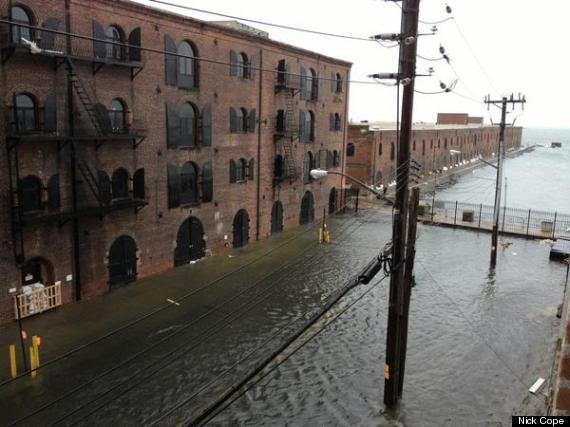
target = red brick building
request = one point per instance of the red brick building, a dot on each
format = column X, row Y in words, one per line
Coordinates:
column 142, row 139
column 371, row 149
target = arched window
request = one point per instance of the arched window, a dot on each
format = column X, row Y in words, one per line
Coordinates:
column 392, row 151
column 139, row 184
column 117, row 116
column 279, row 167
column 242, row 120
column 310, row 126
column 414, row 145
column 309, row 85
column 350, row 150
column 30, row 194
column 26, row 113
column 113, row 45
column 120, row 184
column 337, row 122
column 314, row 90
column 186, row 66
column 233, row 171
column 240, row 165
column 189, row 184
column 338, row 88
column 423, row 147
column 445, row 143
column 243, row 68
column 187, row 115
column 241, row 170
column 307, row 213
column 380, row 149
column 207, row 182
column 21, row 16
column 307, row 166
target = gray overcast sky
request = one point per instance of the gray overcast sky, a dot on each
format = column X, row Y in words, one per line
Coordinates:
column 520, row 44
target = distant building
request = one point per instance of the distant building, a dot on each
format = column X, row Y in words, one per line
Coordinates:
column 371, row 149
column 122, row 162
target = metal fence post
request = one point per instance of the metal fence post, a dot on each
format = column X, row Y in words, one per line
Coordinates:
column 455, row 218
column 432, row 211
column 480, row 212
column 554, row 225
column 528, row 223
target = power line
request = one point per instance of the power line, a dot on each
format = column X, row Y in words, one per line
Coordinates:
column 254, row 21
column 470, row 324
column 475, row 56
column 279, row 362
column 161, row 341
column 173, row 353
column 162, row 52
column 160, row 309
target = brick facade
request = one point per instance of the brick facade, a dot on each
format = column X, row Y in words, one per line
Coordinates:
column 144, row 93
column 374, row 155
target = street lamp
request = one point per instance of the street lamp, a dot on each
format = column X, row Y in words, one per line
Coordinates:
column 317, row 174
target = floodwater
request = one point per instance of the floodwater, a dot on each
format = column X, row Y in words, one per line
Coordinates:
column 476, row 344
column 477, row 341
column 539, row 180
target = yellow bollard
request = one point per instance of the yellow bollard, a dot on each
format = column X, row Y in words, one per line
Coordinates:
column 32, row 363
column 13, row 363
column 36, row 345
column 320, row 235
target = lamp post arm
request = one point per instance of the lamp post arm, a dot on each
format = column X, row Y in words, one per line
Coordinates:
column 489, row 163
column 362, row 184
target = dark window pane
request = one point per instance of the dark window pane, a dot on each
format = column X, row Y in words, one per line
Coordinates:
column 117, row 116
column 120, row 184
column 113, row 46
column 188, row 184
column 20, row 16
column 30, row 194
column 25, row 113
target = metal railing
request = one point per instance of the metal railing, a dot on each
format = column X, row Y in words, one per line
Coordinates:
column 524, row 222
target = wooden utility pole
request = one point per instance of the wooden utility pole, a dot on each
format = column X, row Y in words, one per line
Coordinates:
column 408, row 279
column 396, row 310
column 504, row 101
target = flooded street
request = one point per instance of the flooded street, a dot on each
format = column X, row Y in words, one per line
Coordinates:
column 476, row 344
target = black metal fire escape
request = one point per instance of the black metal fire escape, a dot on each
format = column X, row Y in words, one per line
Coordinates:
column 287, row 129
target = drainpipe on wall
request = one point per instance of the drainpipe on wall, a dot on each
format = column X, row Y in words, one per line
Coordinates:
column 344, row 138
column 260, row 104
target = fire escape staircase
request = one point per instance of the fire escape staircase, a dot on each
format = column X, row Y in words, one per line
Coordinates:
column 286, row 137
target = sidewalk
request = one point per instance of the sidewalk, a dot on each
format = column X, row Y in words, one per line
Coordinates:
column 223, row 313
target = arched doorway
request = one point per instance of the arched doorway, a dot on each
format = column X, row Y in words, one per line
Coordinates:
column 241, row 229
column 37, row 270
column 190, row 244
column 378, row 179
column 122, row 261
column 307, row 209
column 333, row 201
column 277, row 217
